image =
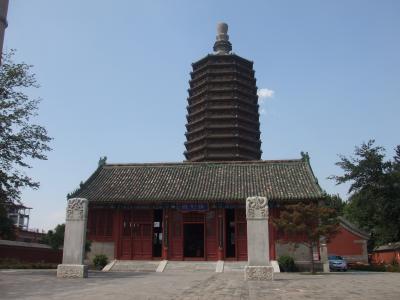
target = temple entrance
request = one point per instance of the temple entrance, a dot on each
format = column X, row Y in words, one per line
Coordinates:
column 193, row 235
column 157, row 232
column 230, row 250
column 136, row 241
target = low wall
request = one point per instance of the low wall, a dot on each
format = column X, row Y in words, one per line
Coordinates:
column 29, row 252
column 106, row 248
column 299, row 252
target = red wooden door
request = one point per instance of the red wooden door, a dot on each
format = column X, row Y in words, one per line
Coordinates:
column 141, row 234
column 136, row 242
column 126, row 235
column 211, row 235
column 176, row 236
column 241, row 234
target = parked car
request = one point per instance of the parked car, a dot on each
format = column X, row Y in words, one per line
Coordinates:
column 337, row 263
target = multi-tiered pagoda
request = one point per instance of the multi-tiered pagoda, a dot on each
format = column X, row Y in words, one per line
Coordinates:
column 223, row 119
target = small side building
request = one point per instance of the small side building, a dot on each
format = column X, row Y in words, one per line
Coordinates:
column 350, row 243
column 386, row 254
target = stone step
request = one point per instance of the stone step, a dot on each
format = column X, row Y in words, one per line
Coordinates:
column 135, row 266
column 234, row 266
column 208, row 266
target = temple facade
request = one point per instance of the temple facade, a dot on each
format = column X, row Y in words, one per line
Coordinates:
column 195, row 210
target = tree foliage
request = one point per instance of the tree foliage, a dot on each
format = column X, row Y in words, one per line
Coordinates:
column 7, row 230
column 335, row 202
column 374, row 202
column 309, row 221
column 55, row 238
column 21, row 140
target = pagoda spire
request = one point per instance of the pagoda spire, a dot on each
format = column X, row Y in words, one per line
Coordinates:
column 222, row 44
column 222, row 120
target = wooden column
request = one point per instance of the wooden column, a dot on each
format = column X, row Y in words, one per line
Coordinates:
column 117, row 232
column 165, row 238
column 272, row 233
column 221, row 235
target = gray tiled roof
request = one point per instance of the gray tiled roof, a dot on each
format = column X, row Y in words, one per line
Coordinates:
column 388, row 247
column 206, row 181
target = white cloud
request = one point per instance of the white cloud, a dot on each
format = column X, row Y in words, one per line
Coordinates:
column 264, row 93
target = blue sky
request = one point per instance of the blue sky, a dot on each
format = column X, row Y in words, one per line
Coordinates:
column 114, row 79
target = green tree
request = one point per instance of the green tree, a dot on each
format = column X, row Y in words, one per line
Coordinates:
column 335, row 202
column 21, row 140
column 7, row 230
column 374, row 202
column 307, row 224
column 55, row 238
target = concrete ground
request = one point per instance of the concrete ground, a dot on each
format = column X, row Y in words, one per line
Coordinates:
column 43, row 284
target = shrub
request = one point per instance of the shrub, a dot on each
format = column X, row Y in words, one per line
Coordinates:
column 11, row 263
column 100, row 261
column 393, row 268
column 371, row 268
column 286, row 263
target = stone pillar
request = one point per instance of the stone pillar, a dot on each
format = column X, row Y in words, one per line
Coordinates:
column 74, row 240
column 259, row 267
column 323, row 250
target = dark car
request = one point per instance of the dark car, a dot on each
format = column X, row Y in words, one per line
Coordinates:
column 337, row 263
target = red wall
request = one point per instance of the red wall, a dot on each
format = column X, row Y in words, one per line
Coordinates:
column 344, row 244
column 385, row 257
column 30, row 254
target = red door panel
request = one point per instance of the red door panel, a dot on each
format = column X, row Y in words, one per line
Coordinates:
column 241, row 234
column 141, row 237
column 136, row 242
column 176, row 240
column 211, row 235
column 126, row 240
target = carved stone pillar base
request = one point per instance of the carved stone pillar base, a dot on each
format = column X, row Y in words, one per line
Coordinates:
column 261, row 273
column 72, row 271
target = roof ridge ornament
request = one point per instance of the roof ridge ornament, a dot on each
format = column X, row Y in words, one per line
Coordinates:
column 305, row 156
column 102, row 161
column 222, row 44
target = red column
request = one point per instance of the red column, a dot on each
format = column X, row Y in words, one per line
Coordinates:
column 165, row 240
column 117, row 232
column 221, row 234
column 272, row 234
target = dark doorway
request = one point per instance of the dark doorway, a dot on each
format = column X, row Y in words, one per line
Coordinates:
column 230, row 233
column 157, row 232
column 193, row 240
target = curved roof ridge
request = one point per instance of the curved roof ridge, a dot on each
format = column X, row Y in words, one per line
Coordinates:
column 244, row 162
column 353, row 228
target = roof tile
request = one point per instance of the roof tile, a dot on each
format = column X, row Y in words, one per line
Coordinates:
column 205, row 181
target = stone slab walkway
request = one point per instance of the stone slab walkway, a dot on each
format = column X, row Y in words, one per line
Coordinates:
column 43, row 284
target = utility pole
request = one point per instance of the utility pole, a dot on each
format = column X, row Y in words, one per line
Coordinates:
column 3, row 23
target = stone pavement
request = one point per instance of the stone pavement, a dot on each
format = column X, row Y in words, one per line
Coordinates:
column 43, row 284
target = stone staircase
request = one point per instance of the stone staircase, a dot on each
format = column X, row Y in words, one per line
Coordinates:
column 134, row 266
column 207, row 266
column 234, row 266
column 174, row 266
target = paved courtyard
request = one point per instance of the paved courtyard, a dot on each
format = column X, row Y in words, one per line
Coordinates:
column 43, row 284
